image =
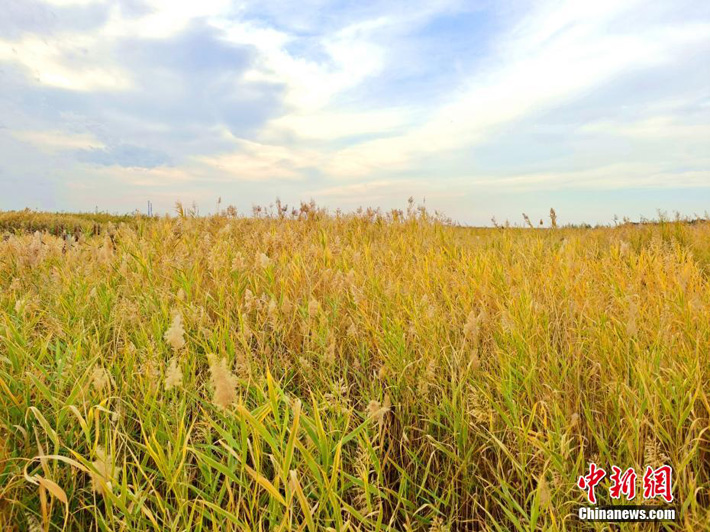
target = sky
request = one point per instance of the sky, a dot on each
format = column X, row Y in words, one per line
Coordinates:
column 474, row 108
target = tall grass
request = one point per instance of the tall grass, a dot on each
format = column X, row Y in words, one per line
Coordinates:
column 359, row 372
column 60, row 224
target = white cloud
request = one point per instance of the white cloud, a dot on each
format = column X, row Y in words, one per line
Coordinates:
column 570, row 55
column 45, row 59
column 161, row 176
column 387, row 189
column 310, row 84
column 354, row 54
column 333, row 125
column 52, row 60
column 610, row 177
column 666, row 128
column 163, row 19
column 65, row 3
column 58, row 140
column 613, row 177
column 254, row 161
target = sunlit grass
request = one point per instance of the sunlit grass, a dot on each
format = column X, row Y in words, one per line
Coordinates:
column 360, row 372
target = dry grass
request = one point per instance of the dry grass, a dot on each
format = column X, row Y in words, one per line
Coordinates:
column 364, row 372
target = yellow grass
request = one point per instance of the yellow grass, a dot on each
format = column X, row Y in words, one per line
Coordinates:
column 361, row 372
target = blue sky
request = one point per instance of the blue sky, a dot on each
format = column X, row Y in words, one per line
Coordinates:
column 479, row 108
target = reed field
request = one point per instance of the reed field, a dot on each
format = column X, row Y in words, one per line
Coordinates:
column 373, row 371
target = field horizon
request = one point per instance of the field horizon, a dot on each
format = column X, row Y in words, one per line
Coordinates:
column 30, row 218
